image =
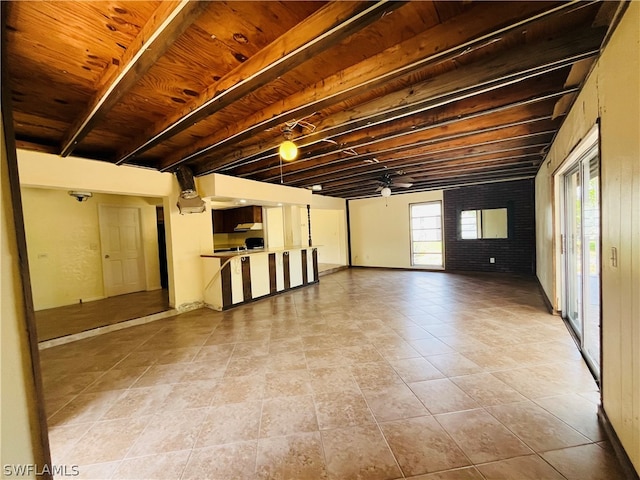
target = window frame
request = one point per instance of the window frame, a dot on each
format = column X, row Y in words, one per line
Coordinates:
column 442, row 233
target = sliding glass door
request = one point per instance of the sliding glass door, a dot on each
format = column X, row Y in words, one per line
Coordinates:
column 581, row 241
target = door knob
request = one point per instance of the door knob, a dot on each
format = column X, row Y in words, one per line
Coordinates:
column 106, row 256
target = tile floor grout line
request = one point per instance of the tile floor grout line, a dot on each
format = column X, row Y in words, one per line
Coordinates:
column 375, row 420
column 336, row 324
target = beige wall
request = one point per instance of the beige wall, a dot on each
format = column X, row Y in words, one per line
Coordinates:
column 63, row 240
column 611, row 93
column 187, row 235
column 273, row 223
column 329, row 229
column 225, row 187
column 380, row 235
column 328, row 234
column 20, row 435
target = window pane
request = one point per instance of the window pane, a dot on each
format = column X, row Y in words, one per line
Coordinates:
column 426, row 222
column 427, row 247
column 434, row 235
column 469, row 224
column 425, row 209
column 426, row 234
column 428, row 259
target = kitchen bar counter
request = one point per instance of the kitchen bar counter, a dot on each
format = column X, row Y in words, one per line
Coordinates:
column 252, row 251
column 237, row 277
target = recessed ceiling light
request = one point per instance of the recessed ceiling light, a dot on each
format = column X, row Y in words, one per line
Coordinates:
column 242, row 200
column 316, row 188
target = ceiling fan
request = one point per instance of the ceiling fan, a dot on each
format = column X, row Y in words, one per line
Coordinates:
column 389, row 180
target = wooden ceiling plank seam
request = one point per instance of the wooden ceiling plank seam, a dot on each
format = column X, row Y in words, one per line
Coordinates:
column 507, row 69
column 167, row 23
column 311, row 158
column 441, row 185
column 446, row 122
column 400, row 163
column 412, row 61
column 396, row 114
column 531, row 160
column 435, row 166
column 444, row 186
column 323, row 29
column 405, row 167
column 446, row 179
column 613, row 18
column 612, row 23
column 441, row 139
column 36, row 147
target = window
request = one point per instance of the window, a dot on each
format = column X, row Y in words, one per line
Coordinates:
column 483, row 223
column 426, row 234
column 469, row 221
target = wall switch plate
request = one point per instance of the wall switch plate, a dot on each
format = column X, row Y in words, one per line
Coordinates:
column 492, row 260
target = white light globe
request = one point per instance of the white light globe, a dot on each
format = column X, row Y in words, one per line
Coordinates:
column 288, row 151
column 385, row 192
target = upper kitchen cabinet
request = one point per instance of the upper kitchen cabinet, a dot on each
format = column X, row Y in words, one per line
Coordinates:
column 237, row 219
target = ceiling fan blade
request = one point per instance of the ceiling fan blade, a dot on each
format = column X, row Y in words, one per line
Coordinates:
column 404, row 178
column 402, row 184
column 379, row 189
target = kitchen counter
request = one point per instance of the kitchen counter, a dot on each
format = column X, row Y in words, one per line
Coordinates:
column 236, row 253
column 237, row 277
column 232, row 253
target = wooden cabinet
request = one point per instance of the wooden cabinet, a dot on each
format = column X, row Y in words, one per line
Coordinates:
column 218, row 217
column 224, row 221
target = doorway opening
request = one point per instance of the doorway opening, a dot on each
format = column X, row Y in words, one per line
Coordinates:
column 579, row 185
column 162, row 248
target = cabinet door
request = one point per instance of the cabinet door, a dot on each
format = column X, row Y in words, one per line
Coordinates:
column 224, row 221
column 218, row 219
column 257, row 214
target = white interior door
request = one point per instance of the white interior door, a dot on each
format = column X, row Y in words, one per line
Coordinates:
column 122, row 254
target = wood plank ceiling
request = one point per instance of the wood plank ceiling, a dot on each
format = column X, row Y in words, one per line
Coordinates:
column 447, row 93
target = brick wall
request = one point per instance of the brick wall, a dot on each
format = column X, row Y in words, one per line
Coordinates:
column 515, row 254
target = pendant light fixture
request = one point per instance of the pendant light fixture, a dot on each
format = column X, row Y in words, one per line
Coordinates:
column 288, row 150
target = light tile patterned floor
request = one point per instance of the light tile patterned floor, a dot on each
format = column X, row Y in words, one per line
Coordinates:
column 372, row 374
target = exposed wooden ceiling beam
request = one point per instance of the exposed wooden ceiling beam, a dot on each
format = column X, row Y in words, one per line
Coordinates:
column 513, row 66
column 410, row 164
column 507, row 166
column 440, row 182
column 426, row 125
column 444, row 185
column 516, row 129
column 423, row 154
column 36, row 146
column 328, row 26
column 167, row 23
column 468, row 30
column 430, row 165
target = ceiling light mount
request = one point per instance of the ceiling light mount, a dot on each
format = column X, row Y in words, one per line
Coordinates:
column 288, row 150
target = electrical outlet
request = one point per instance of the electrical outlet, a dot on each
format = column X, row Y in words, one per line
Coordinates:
column 492, row 260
